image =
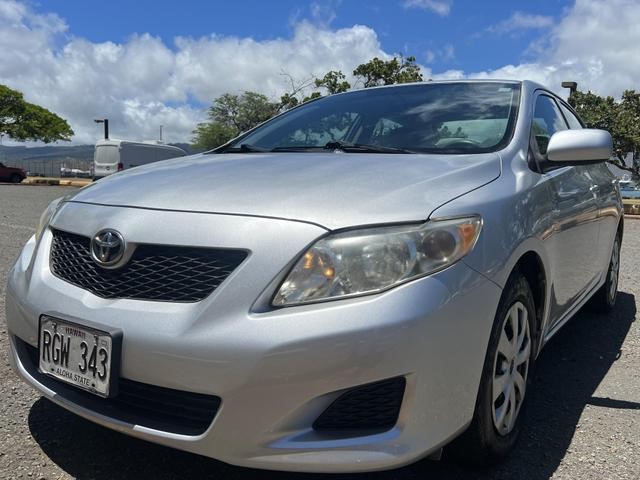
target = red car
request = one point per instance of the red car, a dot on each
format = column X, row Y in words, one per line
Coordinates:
column 11, row 174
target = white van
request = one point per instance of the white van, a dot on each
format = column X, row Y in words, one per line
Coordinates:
column 112, row 156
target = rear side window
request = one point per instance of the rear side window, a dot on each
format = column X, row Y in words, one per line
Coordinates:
column 572, row 120
column 547, row 120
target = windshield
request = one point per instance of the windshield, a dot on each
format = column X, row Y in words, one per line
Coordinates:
column 426, row 118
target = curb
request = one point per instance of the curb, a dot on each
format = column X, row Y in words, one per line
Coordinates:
column 74, row 183
column 55, row 182
column 631, row 208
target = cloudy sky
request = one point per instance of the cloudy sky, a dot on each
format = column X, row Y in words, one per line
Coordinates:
column 148, row 63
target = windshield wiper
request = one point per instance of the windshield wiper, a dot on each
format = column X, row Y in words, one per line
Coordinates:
column 296, row 148
column 363, row 147
column 244, row 148
column 343, row 146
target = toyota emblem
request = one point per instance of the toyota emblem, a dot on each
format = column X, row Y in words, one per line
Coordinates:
column 107, row 247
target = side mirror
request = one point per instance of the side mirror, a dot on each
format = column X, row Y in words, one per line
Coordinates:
column 580, row 146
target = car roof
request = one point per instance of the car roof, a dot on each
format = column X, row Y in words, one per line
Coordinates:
column 527, row 85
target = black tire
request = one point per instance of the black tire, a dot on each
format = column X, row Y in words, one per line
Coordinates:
column 604, row 300
column 15, row 178
column 482, row 443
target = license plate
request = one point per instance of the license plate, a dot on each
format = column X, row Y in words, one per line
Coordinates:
column 80, row 355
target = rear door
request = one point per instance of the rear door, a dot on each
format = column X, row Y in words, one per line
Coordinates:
column 105, row 159
column 571, row 243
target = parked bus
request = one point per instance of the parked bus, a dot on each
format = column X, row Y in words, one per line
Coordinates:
column 112, row 156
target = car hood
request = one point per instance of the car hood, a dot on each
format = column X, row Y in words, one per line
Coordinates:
column 334, row 190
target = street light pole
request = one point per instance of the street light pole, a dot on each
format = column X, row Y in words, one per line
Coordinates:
column 106, row 126
column 572, row 86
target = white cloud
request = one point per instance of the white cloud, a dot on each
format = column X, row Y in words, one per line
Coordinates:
column 444, row 54
column 324, row 13
column 520, row 21
column 448, row 52
column 594, row 44
column 441, row 7
column 142, row 82
column 214, row 65
column 12, row 11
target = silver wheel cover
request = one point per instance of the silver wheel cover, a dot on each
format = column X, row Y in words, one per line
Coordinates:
column 510, row 368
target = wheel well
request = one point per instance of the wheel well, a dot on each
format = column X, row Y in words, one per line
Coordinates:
column 530, row 265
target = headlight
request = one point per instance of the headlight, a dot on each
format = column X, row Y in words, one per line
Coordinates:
column 46, row 217
column 371, row 260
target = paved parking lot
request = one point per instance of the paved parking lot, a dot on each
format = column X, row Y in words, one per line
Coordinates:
column 583, row 420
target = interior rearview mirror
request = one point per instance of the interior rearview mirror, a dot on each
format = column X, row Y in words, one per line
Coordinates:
column 580, row 146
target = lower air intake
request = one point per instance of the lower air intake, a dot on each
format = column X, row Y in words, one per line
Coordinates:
column 374, row 406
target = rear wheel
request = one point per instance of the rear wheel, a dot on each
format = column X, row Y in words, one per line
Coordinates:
column 15, row 178
column 605, row 299
column 505, row 378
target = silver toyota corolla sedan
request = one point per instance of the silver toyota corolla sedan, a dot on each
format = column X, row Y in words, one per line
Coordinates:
column 350, row 286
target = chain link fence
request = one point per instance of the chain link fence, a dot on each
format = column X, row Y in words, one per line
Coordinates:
column 54, row 167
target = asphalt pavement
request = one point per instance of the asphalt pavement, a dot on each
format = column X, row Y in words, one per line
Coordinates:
column 582, row 422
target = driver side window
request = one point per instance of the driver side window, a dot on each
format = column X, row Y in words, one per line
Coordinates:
column 547, row 120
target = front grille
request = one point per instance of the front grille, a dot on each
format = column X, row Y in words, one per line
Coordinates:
column 136, row 403
column 374, row 406
column 154, row 272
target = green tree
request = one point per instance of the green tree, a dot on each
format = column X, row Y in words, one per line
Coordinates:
column 380, row 72
column 22, row 120
column 242, row 112
column 230, row 115
column 620, row 118
column 288, row 100
column 373, row 73
column 333, row 81
column 208, row 135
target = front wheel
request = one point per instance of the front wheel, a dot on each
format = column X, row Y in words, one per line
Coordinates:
column 505, row 378
column 15, row 178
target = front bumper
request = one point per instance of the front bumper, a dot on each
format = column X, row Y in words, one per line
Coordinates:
column 276, row 371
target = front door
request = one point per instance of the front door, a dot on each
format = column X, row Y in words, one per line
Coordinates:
column 573, row 241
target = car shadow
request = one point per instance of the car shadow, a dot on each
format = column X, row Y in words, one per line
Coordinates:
column 567, row 374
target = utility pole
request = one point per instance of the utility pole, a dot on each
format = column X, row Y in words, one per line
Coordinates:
column 106, row 126
column 161, row 133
